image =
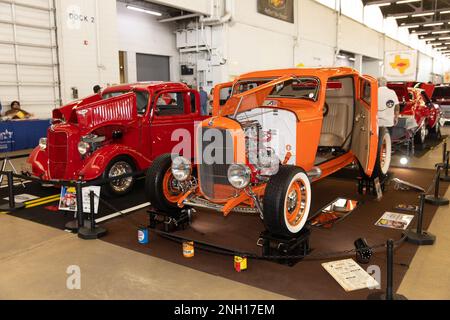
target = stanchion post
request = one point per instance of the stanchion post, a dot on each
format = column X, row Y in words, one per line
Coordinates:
column 436, row 199
column 446, row 177
column 389, row 294
column 12, row 205
column 419, row 237
column 79, row 196
column 93, row 232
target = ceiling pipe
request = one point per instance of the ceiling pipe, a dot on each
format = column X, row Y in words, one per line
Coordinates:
column 183, row 17
column 214, row 19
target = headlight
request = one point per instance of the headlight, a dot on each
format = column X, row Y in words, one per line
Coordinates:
column 83, row 148
column 181, row 169
column 43, row 143
column 239, row 176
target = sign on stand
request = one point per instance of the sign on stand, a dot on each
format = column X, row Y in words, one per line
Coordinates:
column 68, row 200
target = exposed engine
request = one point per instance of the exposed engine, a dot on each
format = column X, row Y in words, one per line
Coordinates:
column 260, row 154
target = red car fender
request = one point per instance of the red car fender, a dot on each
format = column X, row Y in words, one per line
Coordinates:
column 98, row 162
column 38, row 160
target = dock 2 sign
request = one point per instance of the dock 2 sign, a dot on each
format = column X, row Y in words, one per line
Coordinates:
column 278, row 9
column 76, row 18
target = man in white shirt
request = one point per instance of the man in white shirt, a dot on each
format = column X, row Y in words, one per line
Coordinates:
column 388, row 105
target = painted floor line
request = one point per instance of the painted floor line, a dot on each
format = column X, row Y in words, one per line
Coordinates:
column 15, row 184
column 118, row 214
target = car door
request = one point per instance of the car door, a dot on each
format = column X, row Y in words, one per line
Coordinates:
column 365, row 131
column 222, row 93
column 173, row 119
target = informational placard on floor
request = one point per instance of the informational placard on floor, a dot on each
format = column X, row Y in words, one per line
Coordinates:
column 68, row 200
column 22, row 198
column 395, row 221
column 350, row 275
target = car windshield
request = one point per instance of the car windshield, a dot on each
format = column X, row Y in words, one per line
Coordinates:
column 299, row 88
column 441, row 92
column 141, row 99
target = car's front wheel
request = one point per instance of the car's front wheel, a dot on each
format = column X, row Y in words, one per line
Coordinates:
column 287, row 201
column 420, row 137
column 435, row 132
column 161, row 186
column 118, row 167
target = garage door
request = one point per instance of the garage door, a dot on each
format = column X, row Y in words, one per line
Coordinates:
column 152, row 67
column 28, row 56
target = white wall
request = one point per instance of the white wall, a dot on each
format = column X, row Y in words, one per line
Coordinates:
column 200, row 6
column 88, row 49
column 142, row 33
column 425, row 68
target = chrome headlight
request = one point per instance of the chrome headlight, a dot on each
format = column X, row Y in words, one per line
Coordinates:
column 239, row 176
column 43, row 143
column 83, row 148
column 181, row 169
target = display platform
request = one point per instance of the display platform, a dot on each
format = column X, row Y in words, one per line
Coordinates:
column 44, row 209
column 22, row 135
column 306, row 280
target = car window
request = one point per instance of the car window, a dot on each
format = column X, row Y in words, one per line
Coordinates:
column 302, row 88
column 141, row 99
column 366, row 93
column 441, row 92
column 170, row 104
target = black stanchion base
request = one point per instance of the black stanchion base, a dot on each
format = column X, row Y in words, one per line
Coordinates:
column 424, row 239
column 440, row 201
column 381, row 296
column 88, row 234
column 73, row 225
column 445, row 178
column 6, row 208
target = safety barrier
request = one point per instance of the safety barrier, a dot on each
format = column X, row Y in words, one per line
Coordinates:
column 86, row 228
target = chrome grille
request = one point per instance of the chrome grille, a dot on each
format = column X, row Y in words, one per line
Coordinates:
column 214, row 177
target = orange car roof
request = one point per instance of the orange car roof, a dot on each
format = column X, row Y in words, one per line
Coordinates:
column 319, row 72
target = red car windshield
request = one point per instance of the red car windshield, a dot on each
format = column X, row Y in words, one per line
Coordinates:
column 141, row 99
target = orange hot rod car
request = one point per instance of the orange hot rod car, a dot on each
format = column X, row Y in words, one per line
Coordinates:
column 278, row 132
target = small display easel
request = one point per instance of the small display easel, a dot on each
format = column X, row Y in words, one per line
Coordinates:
column 6, row 161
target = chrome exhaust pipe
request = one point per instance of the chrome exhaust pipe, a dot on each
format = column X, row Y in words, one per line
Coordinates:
column 314, row 174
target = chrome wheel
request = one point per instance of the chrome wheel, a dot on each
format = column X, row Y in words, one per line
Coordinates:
column 423, row 133
column 119, row 169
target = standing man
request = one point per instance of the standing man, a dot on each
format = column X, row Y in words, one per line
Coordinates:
column 204, row 101
column 388, row 106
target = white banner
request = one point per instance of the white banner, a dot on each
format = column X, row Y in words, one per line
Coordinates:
column 400, row 65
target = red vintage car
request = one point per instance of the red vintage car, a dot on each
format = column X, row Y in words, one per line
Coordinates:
column 118, row 131
column 416, row 105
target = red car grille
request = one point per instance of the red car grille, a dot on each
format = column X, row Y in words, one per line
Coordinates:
column 57, row 154
column 214, row 178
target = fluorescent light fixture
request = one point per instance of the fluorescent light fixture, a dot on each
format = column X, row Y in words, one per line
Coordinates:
column 437, row 44
column 155, row 13
column 352, row 59
column 433, row 24
column 401, row 17
column 447, row 43
column 380, row 4
column 423, row 14
column 407, row 1
column 341, row 57
column 444, row 38
column 414, row 26
column 444, row 12
column 440, row 32
column 422, row 33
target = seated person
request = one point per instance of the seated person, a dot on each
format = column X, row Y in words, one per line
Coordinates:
column 16, row 113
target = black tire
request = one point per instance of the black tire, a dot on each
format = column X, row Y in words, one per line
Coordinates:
column 420, row 139
column 381, row 170
column 435, row 132
column 275, row 198
column 154, row 186
column 109, row 190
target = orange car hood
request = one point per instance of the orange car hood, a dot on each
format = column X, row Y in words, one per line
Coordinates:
column 251, row 99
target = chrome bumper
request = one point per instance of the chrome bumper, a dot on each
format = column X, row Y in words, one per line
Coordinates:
column 205, row 204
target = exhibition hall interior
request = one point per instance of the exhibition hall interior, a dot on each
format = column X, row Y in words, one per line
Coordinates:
column 217, row 150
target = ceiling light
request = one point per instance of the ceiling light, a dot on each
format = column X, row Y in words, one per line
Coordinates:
column 422, row 33
column 433, row 24
column 414, row 26
column 444, row 38
column 407, row 1
column 400, row 17
column 440, row 32
column 155, row 13
column 444, row 12
column 352, row 59
column 423, row 14
column 341, row 57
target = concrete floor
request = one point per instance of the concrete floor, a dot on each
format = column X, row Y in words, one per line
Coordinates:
column 34, row 260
